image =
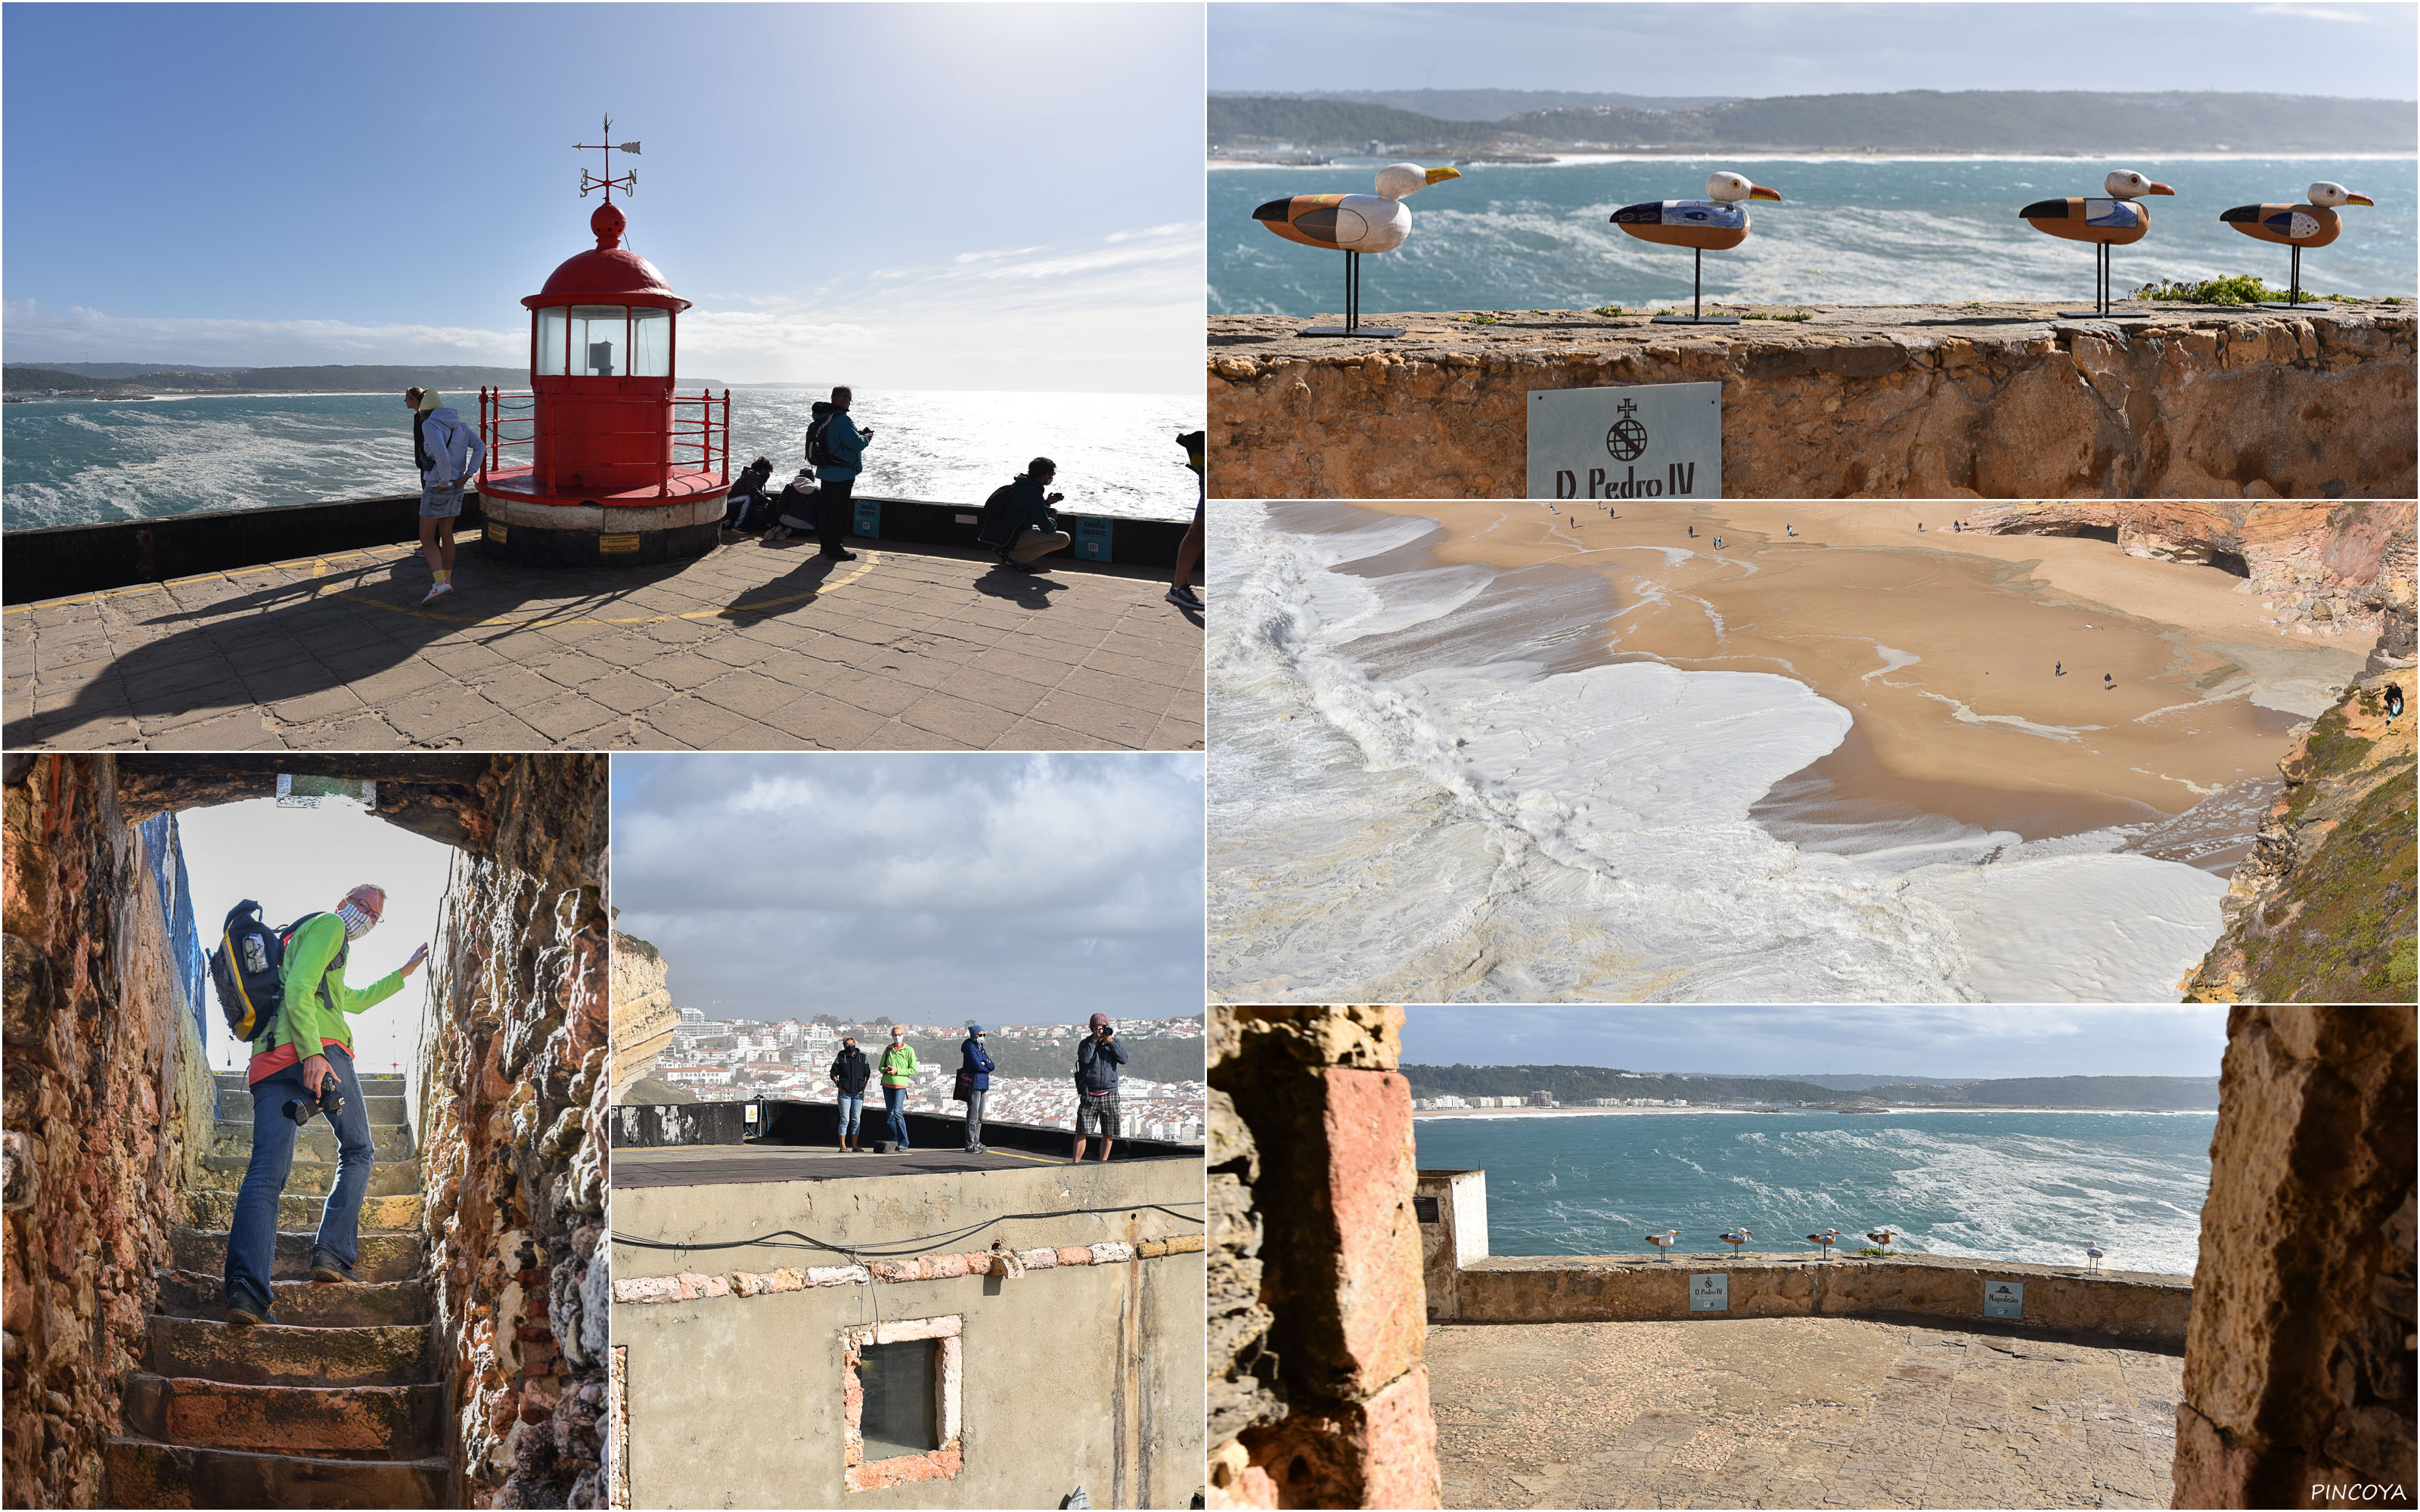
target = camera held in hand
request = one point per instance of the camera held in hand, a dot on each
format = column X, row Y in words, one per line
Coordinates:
column 331, row 1102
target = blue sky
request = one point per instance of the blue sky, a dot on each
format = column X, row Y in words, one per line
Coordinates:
column 1804, row 49
column 1012, row 889
column 1945, row 1043
column 919, row 195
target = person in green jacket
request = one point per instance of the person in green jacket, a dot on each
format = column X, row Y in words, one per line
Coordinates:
column 307, row 1045
column 898, row 1068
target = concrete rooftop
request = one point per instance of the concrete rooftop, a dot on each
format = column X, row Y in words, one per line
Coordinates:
column 729, row 1164
column 1797, row 1413
column 754, row 646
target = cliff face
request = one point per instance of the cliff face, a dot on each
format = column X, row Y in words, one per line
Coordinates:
column 644, row 1014
column 2324, row 569
column 2321, row 911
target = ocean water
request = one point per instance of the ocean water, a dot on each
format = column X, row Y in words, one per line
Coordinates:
column 1848, row 231
column 69, row 461
column 1425, row 785
column 2033, row 1187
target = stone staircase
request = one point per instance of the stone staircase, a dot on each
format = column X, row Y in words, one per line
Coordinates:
column 336, row 1404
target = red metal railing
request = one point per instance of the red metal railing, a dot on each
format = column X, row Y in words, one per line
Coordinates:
column 700, row 438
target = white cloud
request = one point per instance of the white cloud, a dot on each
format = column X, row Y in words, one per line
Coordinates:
column 66, row 335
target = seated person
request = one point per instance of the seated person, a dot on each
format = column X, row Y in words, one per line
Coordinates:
column 1017, row 520
column 747, row 508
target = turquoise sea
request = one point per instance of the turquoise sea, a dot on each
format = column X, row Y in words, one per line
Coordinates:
column 71, row 461
column 1848, row 231
column 2031, row 1186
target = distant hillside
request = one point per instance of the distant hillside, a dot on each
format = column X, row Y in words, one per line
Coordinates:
column 1577, row 1084
column 1912, row 120
column 1858, row 1084
column 1496, row 105
column 118, row 370
column 2162, row 1092
column 325, row 380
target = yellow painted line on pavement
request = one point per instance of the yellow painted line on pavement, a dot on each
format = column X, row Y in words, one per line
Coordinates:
column 871, row 559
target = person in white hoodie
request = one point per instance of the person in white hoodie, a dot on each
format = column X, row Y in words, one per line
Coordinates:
column 448, row 450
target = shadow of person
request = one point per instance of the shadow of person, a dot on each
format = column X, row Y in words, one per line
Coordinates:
column 1029, row 591
column 287, row 642
column 794, row 589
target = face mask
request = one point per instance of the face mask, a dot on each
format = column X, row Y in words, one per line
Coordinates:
column 357, row 921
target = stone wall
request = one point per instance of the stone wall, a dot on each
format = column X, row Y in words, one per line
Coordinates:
column 643, row 1012
column 1993, row 401
column 2133, row 1306
column 107, row 1081
column 1318, row 1395
column 513, row 1086
column 2299, row 1364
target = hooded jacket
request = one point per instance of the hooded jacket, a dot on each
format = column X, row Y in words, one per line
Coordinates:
column 974, row 1064
column 449, row 450
column 1027, row 504
column 850, row 1069
column 845, row 445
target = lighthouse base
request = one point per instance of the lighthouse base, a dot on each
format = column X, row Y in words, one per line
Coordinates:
column 597, row 535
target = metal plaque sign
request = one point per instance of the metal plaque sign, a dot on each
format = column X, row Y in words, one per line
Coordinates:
column 2004, row 1299
column 1648, row 441
column 1710, row 1293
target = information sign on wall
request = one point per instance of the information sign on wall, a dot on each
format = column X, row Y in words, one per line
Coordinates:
column 1648, row 441
column 1710, row 1293
column 2004, row 1299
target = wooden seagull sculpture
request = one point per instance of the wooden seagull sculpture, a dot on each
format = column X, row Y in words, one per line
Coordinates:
column 2115, row 222
column 1714, row 223
column 2312, row 224
column 1354, row 225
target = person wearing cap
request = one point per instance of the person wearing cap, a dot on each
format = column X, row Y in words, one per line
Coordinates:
column 850, row 1071
column 898, row 1069
column 1098, row 1055
column 448, row 450
column 1189, row 551
column 974, row 1074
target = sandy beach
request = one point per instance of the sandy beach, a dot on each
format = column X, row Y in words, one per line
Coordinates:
column 1946, row 649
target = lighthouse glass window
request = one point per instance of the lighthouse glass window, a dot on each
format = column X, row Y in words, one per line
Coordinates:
column 651, row 342
column 553, row 344
column 600, row 340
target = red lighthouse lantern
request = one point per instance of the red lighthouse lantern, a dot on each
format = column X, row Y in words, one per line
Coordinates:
column 600, row 462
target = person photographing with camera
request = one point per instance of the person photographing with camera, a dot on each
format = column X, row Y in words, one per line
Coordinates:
column 1017, row 520
column 302, row 1066
column 1098, row 1055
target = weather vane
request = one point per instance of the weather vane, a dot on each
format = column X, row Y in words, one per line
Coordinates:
column 627, row 183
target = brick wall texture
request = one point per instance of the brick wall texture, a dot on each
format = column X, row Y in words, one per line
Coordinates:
column 1318, row 1396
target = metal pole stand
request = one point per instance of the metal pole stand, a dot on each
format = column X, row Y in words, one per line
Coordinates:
column 2101, row 291
column 2294, row 299
column 1696, row 301
column 1353, row 326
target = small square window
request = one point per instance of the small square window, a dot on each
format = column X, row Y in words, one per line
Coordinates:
column 902, row 1414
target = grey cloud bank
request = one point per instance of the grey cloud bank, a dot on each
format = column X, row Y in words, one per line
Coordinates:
column 1028, row 888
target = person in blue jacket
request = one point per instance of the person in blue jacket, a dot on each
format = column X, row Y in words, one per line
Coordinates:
column 837, row 449
column 975, row 1067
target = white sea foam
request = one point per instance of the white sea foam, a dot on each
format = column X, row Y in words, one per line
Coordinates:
column 1415, row 792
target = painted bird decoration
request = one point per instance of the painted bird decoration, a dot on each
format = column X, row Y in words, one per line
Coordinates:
column 2117, row 221
column 2314, row 223
column 1735, row 1239
column 1354, row 225
column 1716, row 224
column 1663, row 1243
column 2092, row 1255
column 1883, row 1238
column 1828, row 1238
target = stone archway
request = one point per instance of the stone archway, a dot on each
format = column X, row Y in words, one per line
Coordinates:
column 108, row 1103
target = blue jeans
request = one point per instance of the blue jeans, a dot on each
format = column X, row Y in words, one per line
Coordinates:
column 251, row 1244
column 895, row 1099
column 850, row 1108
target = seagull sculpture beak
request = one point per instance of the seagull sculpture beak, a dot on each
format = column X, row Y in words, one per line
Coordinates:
column 2159, row 188
column 1438, row 175
column 2360, row 199
column 1760, row 191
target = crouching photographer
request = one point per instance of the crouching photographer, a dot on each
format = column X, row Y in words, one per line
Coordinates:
column 288, row 986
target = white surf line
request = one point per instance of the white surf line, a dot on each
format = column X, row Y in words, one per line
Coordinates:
column 1893, row 659
column 2197, row 789
column 1968, row 716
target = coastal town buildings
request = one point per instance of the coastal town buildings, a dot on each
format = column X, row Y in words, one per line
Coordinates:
column 720, row 1060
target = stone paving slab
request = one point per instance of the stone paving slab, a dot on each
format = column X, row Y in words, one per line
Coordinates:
column 757, row 646
column 1796, row 1412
